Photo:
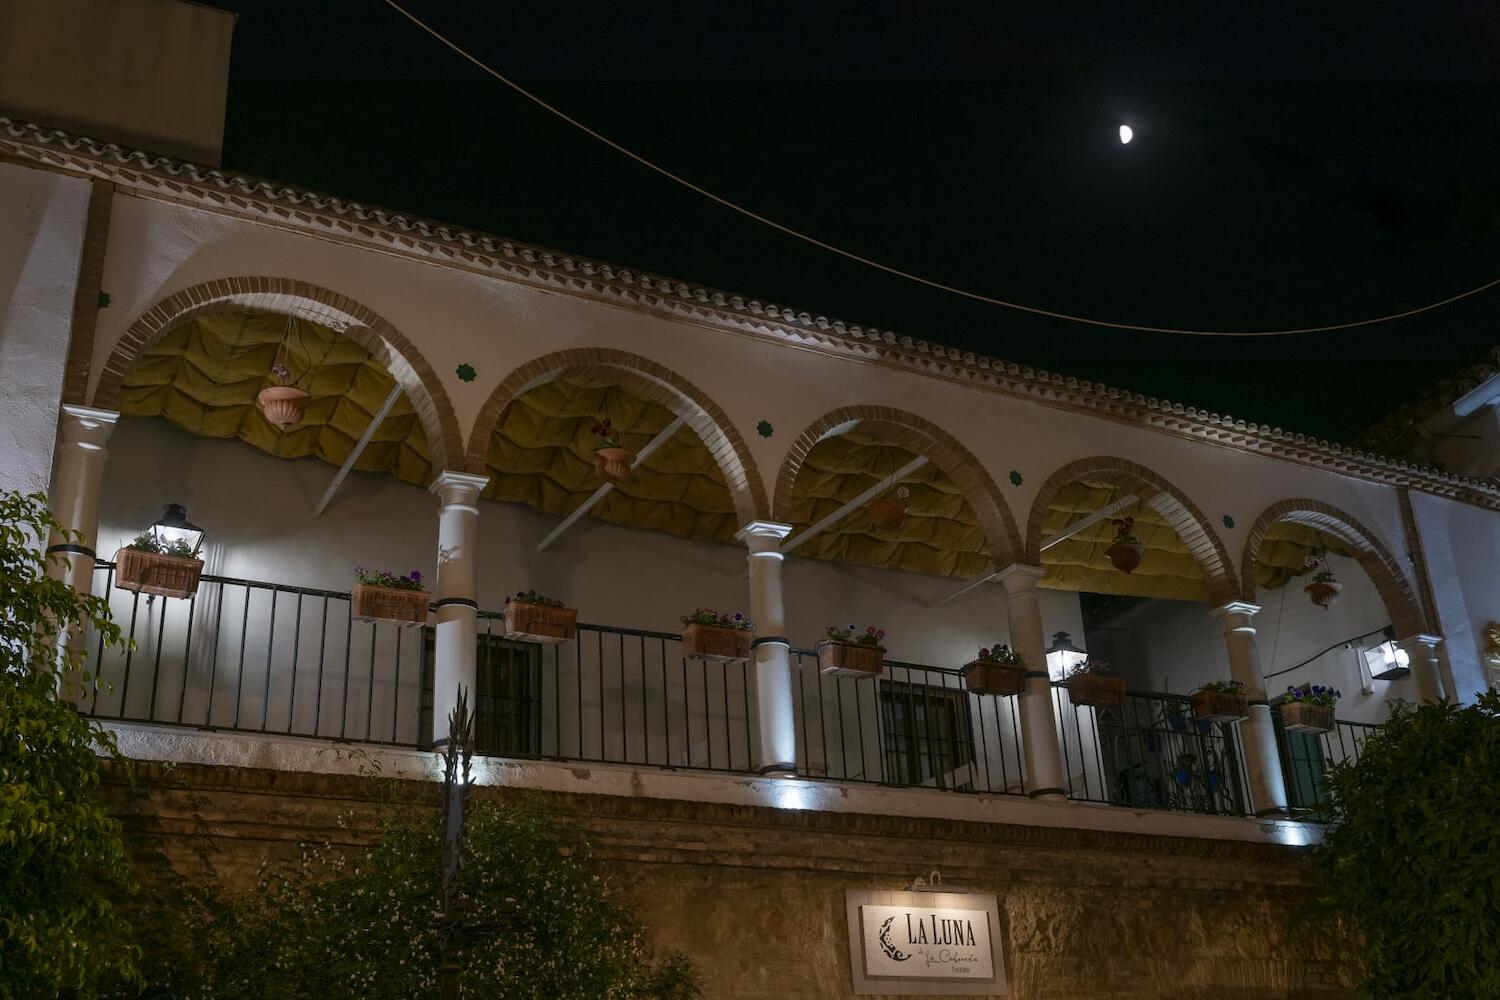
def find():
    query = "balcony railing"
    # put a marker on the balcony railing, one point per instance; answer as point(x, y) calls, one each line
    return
point(1149, 753)
point(248, 656)
point(1306, 758)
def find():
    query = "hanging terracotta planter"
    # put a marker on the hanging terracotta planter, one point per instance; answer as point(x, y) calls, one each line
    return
point(1096, 690)
point(1306, 717)
point(1222, 705)
point(888, 513)
point(613, 463)
point(282, 405)
point(1125, 552)
point(1125, 556)
point(156, 573)
point(530, 617)
point(1324, 593)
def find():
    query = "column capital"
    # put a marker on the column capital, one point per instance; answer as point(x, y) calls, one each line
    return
point(1236, 608)
point(1018, 577)
point(458, 489)
point(86, 425)
point(763, 536)
point(1420, 639)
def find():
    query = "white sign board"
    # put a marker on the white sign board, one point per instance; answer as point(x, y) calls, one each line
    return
point(930, 943)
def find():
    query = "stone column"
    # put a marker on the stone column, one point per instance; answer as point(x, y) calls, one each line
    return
point(775, 719)
point(74, 498)
point(1422, 657)
point(1258, 733)
point(455, 646)
point(1044, 769)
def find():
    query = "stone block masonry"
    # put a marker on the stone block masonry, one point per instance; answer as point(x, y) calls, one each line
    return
point(755, 895)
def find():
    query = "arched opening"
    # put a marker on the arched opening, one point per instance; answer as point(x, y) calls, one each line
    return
point(1151, 623)
point(271, 623)
point(1340, 639)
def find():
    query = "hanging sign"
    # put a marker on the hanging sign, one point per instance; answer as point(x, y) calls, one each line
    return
point(925, 942)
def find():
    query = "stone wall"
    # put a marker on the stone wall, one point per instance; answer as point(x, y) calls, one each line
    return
point(756, 895)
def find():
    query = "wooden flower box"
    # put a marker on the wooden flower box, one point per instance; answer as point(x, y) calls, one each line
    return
point(540, 623)
point(369, 603)
point(850, 659)
point(1096, 690)
point(988, 677)
point(154, 573)
point(1220, 706)
point(1305, 717)
point(715, 642)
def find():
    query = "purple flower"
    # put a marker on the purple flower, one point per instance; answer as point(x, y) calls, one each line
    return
point(739, 616)
point(416, 576)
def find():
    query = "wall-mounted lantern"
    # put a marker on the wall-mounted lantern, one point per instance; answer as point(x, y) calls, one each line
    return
point(173, 528)
point(1386, 660)
point(1063, 656)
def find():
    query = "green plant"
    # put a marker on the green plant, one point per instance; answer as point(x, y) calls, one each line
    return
point(1313, 694)
point(545, 922)
point(62, 864)
point(1123, 527)
point(1225, 687)
point(1089, 666)
point(147, 542)
point(1324, 576)
point(604, 430)
point(1412, 859)
point(871, 636)
point(718, 619)
point(532, 597)
point(385, 578)
point(1001, 653)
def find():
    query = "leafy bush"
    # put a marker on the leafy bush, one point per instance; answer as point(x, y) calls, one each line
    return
point(62, 864)
point(345, 923)
point(1415, 858)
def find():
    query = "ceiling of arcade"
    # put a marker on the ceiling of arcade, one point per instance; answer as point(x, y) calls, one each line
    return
point(205, 374)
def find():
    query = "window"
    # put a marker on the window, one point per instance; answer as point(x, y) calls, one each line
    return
point(507, 699)
point(927, 735)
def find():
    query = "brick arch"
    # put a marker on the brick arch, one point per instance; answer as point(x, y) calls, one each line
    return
point(1369, 551)
point(915, 434)
point(651, 381)
point(1186, 519)
point(305, 301)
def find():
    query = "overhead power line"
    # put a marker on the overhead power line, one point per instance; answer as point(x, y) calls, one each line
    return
point(896, 271)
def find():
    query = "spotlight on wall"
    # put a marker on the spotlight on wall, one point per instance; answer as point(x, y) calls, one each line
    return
point(1063, 656)
point(1386, 660)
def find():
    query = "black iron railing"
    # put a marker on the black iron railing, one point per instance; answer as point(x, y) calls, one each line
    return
point(1306, 758)
point(613, 695)
point(259, 657)
point(914, 726)
point(1149, 753)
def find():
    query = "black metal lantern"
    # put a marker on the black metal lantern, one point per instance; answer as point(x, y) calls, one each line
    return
point(1063, 656)
point(172, 531)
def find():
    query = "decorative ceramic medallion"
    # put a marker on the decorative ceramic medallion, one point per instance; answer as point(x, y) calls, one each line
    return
point(1015, 477)
point(466, 373)
point(764, 429)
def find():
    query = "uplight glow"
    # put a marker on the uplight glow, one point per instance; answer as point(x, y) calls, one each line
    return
point(1126, 134)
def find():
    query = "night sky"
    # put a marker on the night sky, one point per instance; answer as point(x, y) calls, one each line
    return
point(1291, 166)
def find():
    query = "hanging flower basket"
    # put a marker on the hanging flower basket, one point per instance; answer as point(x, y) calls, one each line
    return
point(889, 512)
point(719, 643)
point(1324, 593)
point(529, 617)
point(1125, 556)
point(1096, 690)
point(155, 573)
point(991, 677)
point(613, 463)
point(1306, 717)
point(283, 405)
point(1220, 705)
point(850, 659)
point(396, 605)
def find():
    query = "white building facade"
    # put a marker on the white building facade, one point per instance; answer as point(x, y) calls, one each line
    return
point(143, 297)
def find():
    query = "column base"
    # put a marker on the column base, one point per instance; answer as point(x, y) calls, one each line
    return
point(1273, 813)
point(1061, 793)
point(782, 770)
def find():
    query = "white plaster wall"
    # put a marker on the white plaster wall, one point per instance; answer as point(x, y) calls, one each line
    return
point(456, 316)
point(1177, 646)
point(42, 218)
point(1462, 548)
